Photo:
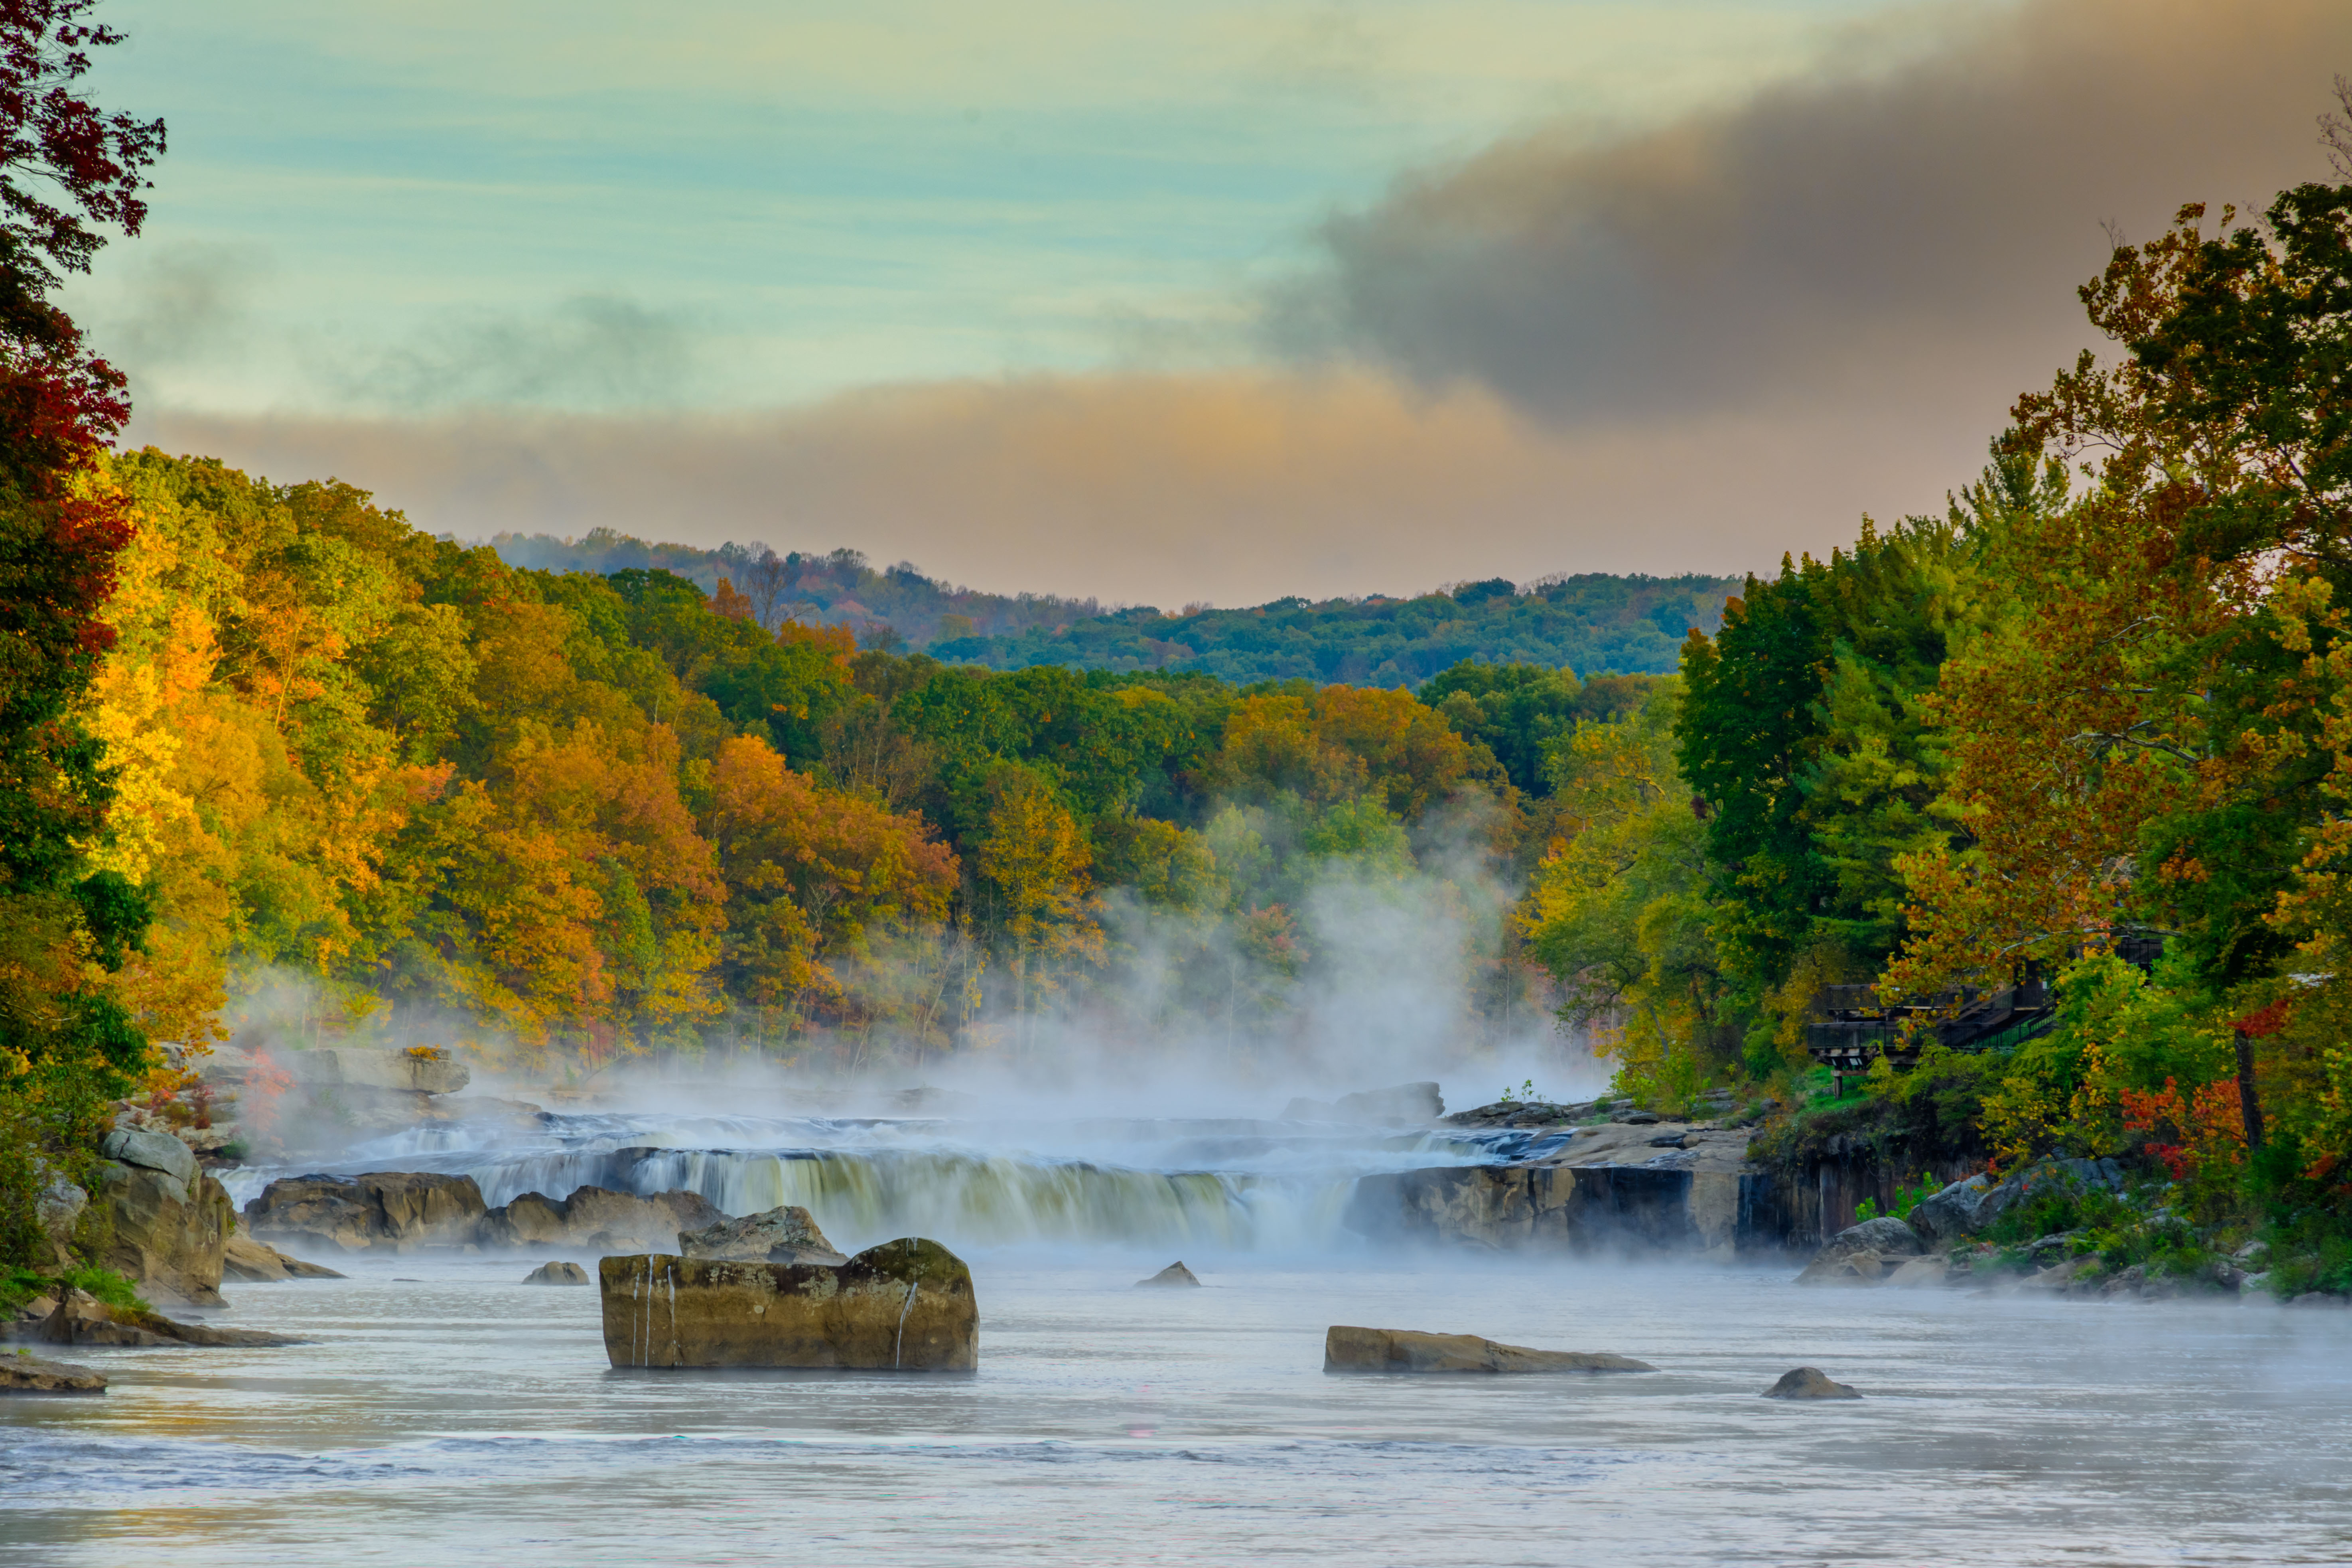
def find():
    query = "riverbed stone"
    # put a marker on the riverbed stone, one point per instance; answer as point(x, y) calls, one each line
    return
point(786, 1235)
point(381, 1211)
point(556, 1271)
point(24, 1373)
point(907, 1305)
point(1175, 1276)
point(1350, 1349)
point(1809, 1382)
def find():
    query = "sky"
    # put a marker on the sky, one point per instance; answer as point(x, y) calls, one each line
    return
point(1163, 302)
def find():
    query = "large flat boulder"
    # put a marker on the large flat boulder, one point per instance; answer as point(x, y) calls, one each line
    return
point(598, 1219)
point(383, 1211)
point(32, 1375)
point(906, 1305)
point(166, 1234)
point(787, 1234)
point(1404, 1350)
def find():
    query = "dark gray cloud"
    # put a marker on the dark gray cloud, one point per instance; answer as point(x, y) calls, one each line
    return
point(1911, 222)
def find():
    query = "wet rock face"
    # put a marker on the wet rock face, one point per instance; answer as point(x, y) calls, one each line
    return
point(170, 1233)
point(1346, 1348)
point(787, 1234)
point(1809, 1382)
point(906, 1305)
point(383, 1210)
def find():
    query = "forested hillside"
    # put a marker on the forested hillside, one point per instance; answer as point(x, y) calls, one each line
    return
point(1589, 622)
point(565, 817)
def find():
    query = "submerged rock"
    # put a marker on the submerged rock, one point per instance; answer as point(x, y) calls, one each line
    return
point(906, 1305)
point(392, 1211)
point(255, 1262)
point(787, 1234)
point(1175, 1275)
point(557, 1273)
point(1809, 1382)
point(1349, 1349)
point(24, 1373)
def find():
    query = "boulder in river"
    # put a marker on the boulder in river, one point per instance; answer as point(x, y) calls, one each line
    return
point(558, 1272)
point(83, 1319)
point(598, 1219)
point(787, 1234)
point(392, 1211)
point(1403, 1349)
point(1863, 1254)
point(168, 1222)
point(906, 1305)
point(1809, 1382)
point(26, 1373)
point(259, 1263)
point(1175, 1275)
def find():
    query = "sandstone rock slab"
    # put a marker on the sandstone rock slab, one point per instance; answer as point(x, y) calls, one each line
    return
point(1348, 1348)
point(787, 1234)
point(558, 1272)
point(1175, 1277)
point(83, 1319)
point(255, 1262)
point(32, 1375)
point(1809, 1382)
point(906, 1305)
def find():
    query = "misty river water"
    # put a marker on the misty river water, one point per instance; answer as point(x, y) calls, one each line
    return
point(450, 1415)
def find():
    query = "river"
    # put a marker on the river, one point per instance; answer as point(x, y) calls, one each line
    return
point(450, 1415)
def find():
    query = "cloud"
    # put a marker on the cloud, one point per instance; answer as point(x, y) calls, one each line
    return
point(1906, 223)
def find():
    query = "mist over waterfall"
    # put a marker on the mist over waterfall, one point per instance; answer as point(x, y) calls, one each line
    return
point(1217, 1184)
